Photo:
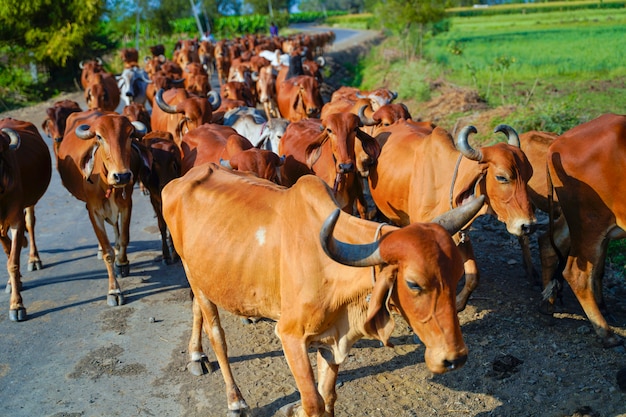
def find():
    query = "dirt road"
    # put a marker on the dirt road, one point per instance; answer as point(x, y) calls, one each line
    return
point(75, 356)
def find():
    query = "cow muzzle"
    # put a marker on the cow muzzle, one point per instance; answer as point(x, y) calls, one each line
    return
point(120, 179)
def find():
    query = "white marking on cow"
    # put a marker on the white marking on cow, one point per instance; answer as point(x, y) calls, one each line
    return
point(260, 236)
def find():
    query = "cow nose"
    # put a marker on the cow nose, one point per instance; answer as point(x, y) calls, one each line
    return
point(129, 93)
point(122, 179)
point(346, 167)
point(312, 110)
point(527, 229)
point(455, 363)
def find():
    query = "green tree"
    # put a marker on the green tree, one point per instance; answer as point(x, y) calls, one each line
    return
point(53, 31)
point(410, 19)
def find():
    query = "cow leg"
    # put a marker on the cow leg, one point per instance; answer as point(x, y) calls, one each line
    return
point(198, 361)
point(17, 312)
point(472, 276)
point(327, 380)
point(311, 402)
point(167, 247)
point(34, 262)
point(581, 271)
point(122, 267)
point(550, 263)
point(237, 406)
point(114, 293)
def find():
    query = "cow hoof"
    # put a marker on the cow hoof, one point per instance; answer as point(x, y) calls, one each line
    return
point(35, 266)
point(115, 300)
point(18, 314)
point(612, 341)
point(122, 270)
point(242, 412)
point(200, 367)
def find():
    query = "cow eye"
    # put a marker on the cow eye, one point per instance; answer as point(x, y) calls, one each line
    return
point(413, 286)
point(502, 179)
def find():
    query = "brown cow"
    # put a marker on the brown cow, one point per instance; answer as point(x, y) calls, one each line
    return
point(238, 90)
point(223, 145)
point(266, 91)
point(420, 173)
point(299, 98)
point(222, 61)
point(137, 113)
point(164, 164)
point(56, 117)
point(94, 162)
point(535, 146)
point(326, 148)
point(321, 290)
point(177, 111)
point(584, 166)
point(25, 171)
point(102, 92)
point(88, 68)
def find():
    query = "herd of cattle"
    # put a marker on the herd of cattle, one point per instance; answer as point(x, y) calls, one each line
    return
point(274, 202)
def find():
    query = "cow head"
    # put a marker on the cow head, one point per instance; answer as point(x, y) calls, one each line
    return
point(132, 84)
point(419, 268)
point(503, 178)
point(112, 135)
point(54, 124)
point(341, 129)
point(264, 164)
point(305, 100)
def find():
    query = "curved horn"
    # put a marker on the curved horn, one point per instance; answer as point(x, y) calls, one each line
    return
point(16, 140)
point(365, 120)
point(394, 95)
point(345, 253)
point(162, 104)
point(321, 61)
point(510, 133)
point(455, 219)
point(215, 99)
point(84, 133)
point(225, 163)
point(98, 60)
point(140, 128)
point(177, 81)
point(464, 147)
point(81, 64)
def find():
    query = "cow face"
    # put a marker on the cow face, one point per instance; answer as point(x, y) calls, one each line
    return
point(112, 135)
point(506, 178)
point(423, 290)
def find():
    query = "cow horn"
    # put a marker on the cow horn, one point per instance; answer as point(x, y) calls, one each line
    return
point(365, 120)
point(98, 60)
point(83, 132)
point(140, 128)
point(226, 163)
point(16, 140)
point(394, 95)
point(510, 133)
point(215, 99)
point(162, 104)
point(464, 147)
point(455, 219)
point(321, 61)
point(345, 253)
point(81, 64)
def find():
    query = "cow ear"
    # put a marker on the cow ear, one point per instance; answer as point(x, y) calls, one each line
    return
point(370, 145)
point(88, 161)
point(379, 322)
point(314, 150)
